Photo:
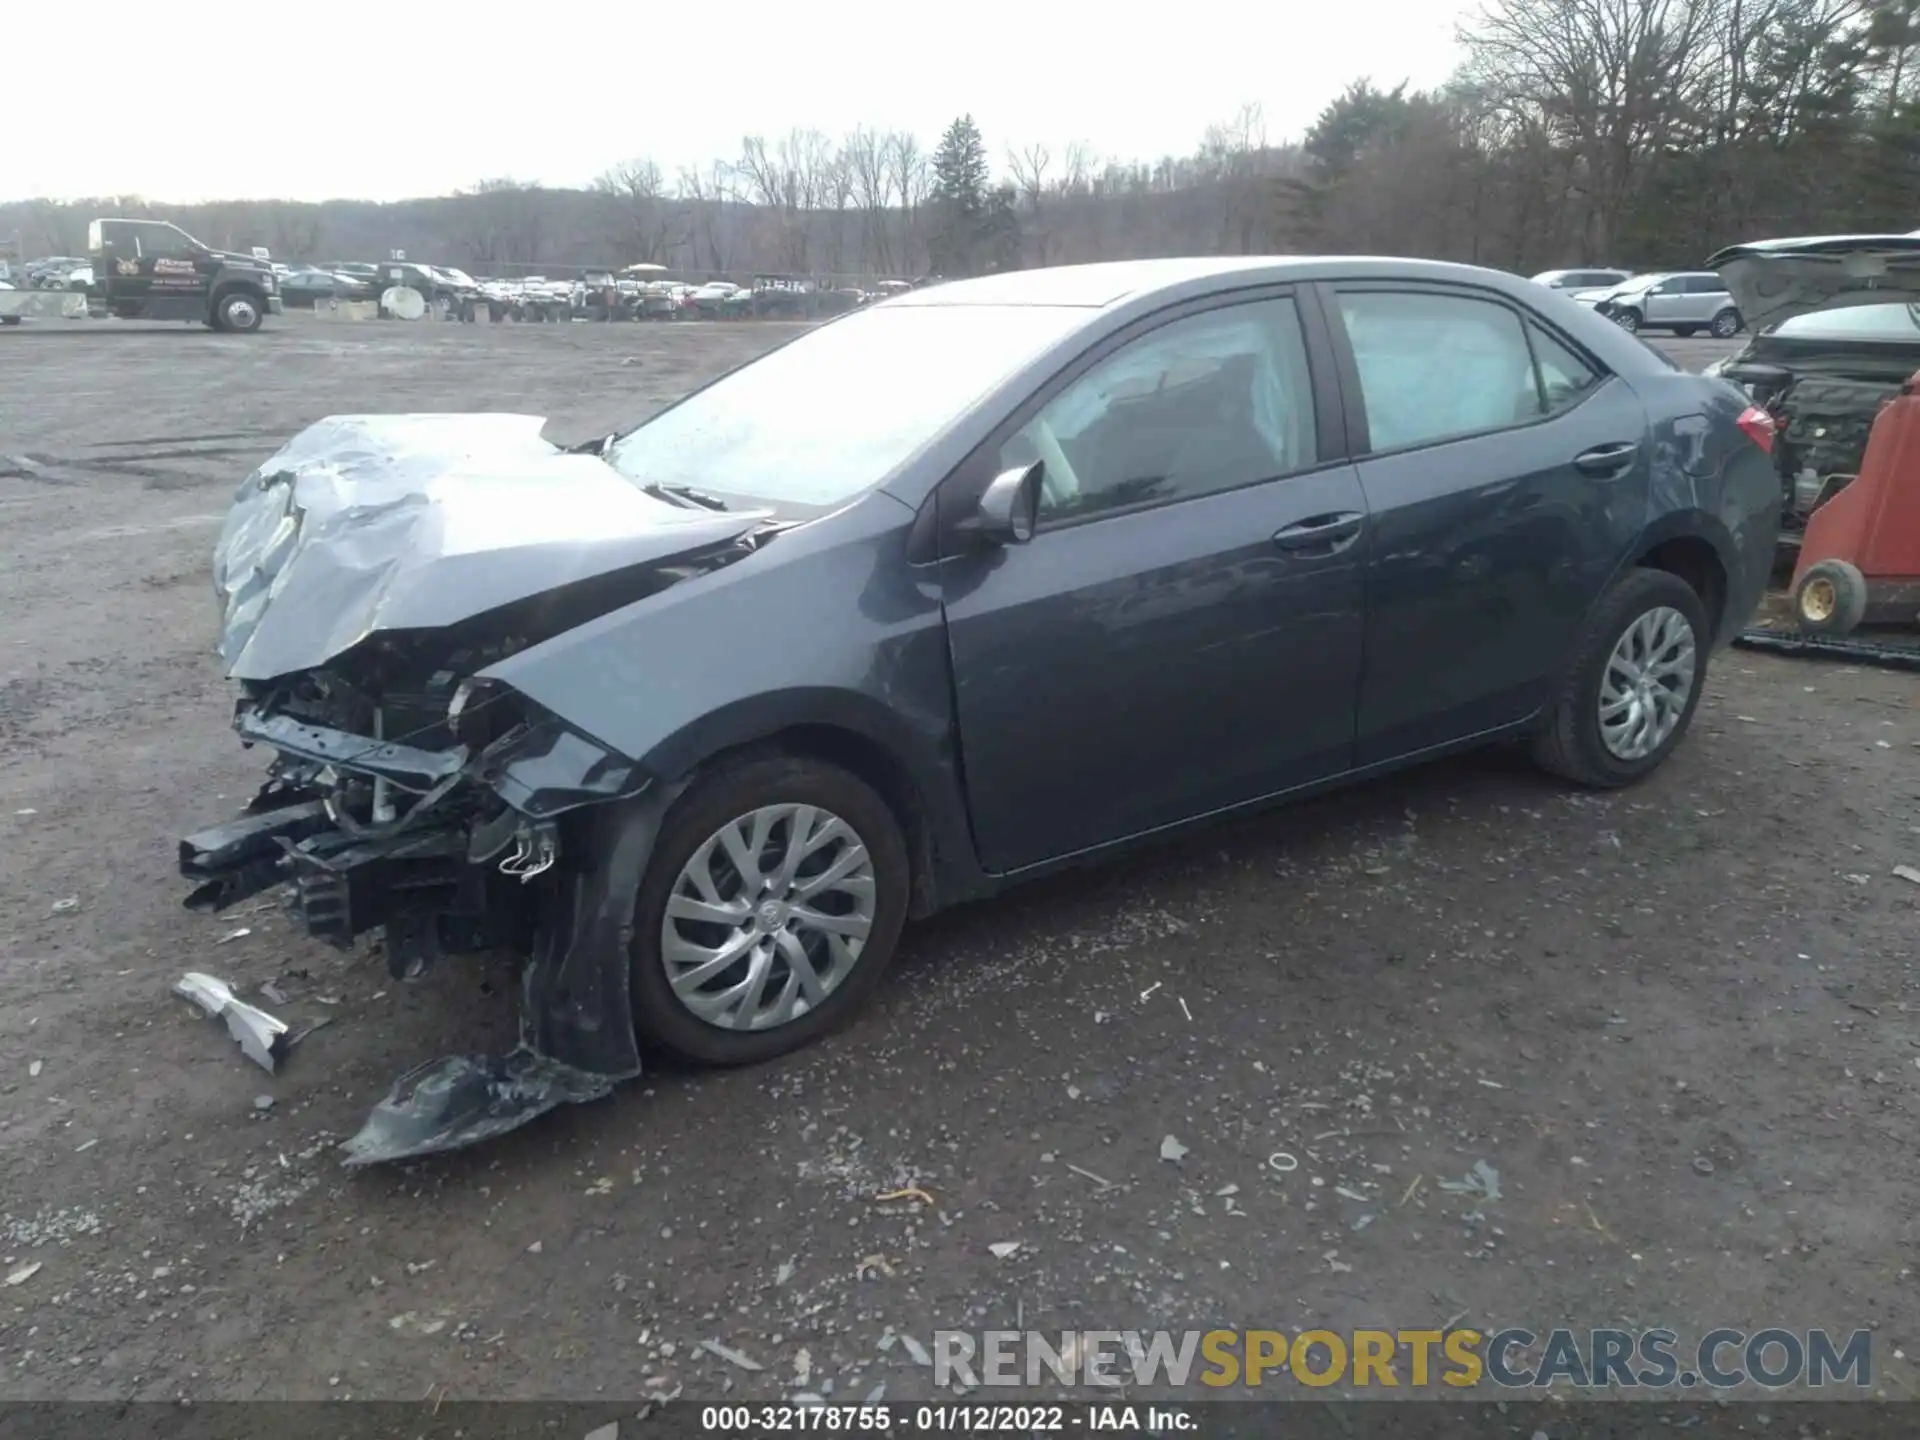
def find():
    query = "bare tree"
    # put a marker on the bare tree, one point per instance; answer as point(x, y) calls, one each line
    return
point(1609, 79)
point(1029, 169)
point(503, 221)
point(866, 164)
point(908, 169)
point(648, 222)
point(296, 230)
point(709, 194)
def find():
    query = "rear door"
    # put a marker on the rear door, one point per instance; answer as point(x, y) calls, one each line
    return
point(118, 266)
point(1708, 296)
point(1183, 632)
point(1504, 473)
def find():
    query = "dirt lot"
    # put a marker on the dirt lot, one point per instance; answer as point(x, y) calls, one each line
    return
point(1679, 1021)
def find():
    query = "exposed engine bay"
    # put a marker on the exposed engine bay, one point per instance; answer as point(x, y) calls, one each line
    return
point(1823, 422)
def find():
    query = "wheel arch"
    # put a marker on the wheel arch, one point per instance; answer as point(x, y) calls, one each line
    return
point(1696, 548)
point(857, 735)
point(224, 288)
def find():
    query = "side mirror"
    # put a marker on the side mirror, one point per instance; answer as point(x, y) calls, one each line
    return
point(1009, 507)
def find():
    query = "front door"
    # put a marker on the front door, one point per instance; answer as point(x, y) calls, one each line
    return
point(1507, 473)
point(1667, 302)
point(1183, 632)
point(178, 271)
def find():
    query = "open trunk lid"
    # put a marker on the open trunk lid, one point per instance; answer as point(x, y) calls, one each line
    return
point(1775, 280)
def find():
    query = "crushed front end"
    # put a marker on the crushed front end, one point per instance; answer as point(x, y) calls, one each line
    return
point(367, 575)
point(444, 815)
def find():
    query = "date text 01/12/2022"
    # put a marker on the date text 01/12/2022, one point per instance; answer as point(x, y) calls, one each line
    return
point(947, 1418)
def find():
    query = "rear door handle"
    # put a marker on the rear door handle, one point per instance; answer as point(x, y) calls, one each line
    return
point(1327, 534)
point(1603, 462)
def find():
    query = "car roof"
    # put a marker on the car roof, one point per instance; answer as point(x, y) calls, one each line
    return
point(1108, 283)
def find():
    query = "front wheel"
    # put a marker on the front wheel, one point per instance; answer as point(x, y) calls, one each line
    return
point(1627, 320)
point(770, 909)
point(237, 311)
point(1726, 324)
point(1628, 697)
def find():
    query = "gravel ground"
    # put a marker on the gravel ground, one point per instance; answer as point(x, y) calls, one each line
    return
point(1677, 1021)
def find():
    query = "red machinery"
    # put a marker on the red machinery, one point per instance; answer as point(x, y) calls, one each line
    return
point(1860, 560)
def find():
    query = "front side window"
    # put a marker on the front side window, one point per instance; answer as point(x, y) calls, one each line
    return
point(163, 242)
point(1206, 403)
point(1434, 367)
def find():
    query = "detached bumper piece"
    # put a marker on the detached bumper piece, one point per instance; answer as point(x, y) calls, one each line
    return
point(451, 1103)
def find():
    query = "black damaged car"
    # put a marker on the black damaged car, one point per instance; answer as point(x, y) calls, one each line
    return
point(986, 579)
point(1836, 333)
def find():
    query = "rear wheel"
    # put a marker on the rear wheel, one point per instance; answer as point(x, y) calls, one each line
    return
point(1726, 324)
point(771, 907)
point(1630, 694)
point(1831, 598)
point(1627, 320)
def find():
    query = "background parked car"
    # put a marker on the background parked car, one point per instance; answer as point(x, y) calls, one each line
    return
point(1685, 303)
point(1572, 280)
point(306, 288)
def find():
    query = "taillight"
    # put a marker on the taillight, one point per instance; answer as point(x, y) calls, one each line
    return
point(1759, 427)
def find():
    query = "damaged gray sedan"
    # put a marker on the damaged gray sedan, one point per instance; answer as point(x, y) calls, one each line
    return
point(979, 581)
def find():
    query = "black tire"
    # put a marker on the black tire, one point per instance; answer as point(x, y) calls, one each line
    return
point(1686, 332)
point(1570, 744)
point(1627, 320)
point(1726, 324)
point(1830, 599)
point(735, 790)
point(239, 312)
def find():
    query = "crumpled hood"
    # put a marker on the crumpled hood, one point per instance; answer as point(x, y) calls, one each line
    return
point(1774, 280)
point(366, 523)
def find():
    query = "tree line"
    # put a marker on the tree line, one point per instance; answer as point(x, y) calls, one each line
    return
point(1643, 133)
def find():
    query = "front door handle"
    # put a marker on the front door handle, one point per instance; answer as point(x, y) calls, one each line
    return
point(1325, 534)
point(1603, 462)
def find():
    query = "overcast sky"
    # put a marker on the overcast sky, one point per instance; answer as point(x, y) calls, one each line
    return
point(246, 102)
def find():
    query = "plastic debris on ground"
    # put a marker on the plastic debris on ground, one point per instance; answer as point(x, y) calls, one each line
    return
point(1482, 1180)
point(263, 1038)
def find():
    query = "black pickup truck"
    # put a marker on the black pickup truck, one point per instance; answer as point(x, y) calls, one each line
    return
point(151, 270)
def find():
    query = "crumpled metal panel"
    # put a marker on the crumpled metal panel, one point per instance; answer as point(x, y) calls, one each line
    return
point(365, 523)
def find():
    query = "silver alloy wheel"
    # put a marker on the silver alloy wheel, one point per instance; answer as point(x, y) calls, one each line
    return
point(768, 917)
point(1726, 325)
point(1648, 681)
point(240, 312)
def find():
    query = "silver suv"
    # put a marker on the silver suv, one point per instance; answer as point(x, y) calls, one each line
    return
point(1684, 303)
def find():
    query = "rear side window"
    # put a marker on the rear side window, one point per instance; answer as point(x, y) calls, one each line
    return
point(1434, 367)
point(1706, 285)
point(1564, 377)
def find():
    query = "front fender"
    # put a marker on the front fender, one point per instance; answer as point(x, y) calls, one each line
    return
point(826, 626)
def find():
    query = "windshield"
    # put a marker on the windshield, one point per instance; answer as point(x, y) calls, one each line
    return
point(1895, 323)
point(829, 415)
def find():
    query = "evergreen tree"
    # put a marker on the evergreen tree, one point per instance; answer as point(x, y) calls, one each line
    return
point(969, 219)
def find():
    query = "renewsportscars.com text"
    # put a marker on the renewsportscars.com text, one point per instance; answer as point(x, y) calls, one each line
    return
point(1510, 1359)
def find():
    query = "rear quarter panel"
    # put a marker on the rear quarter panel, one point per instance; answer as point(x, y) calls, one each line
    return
point(1710, 480)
